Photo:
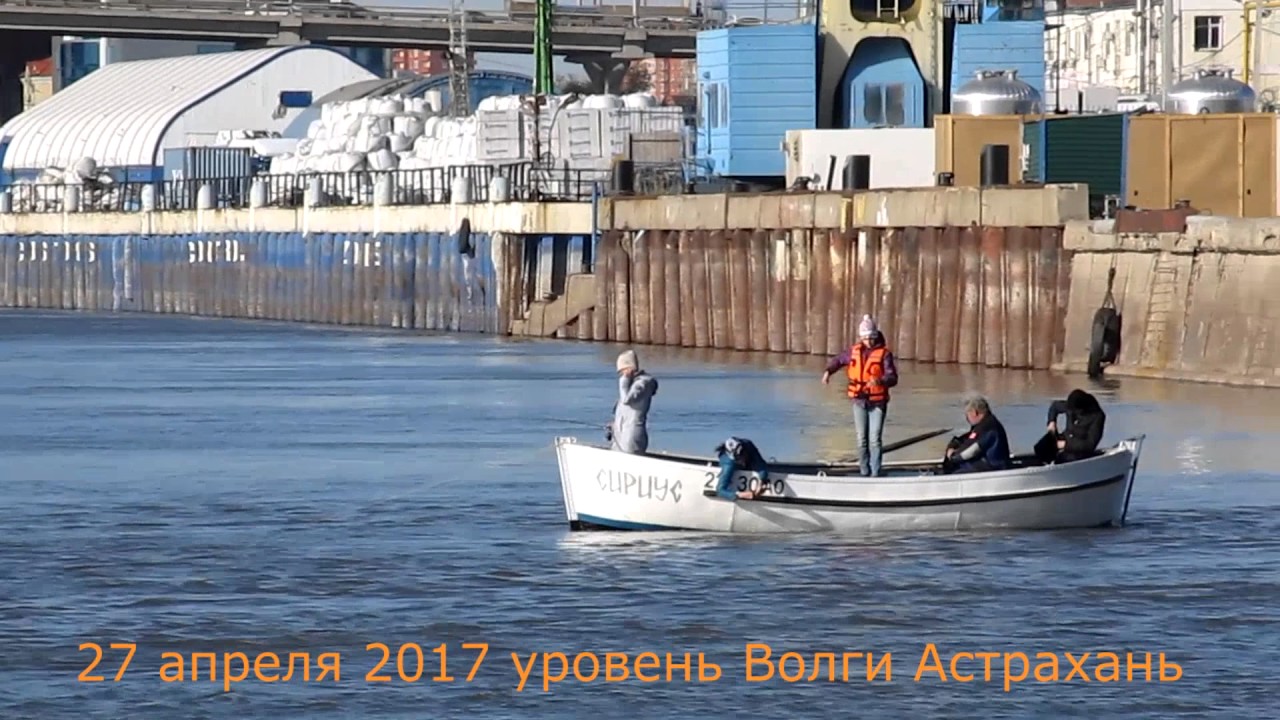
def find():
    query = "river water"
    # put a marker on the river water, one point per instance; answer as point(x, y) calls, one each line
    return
point(218, 486)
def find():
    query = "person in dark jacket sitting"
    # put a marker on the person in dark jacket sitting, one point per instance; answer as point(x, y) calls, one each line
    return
point(1080, 436)
point(984, 448)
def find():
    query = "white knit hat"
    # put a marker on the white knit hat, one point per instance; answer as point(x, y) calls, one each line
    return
point(867, 327)
point(628, 359)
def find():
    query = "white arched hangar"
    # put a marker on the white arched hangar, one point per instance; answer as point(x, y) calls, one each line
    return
point(125, 115)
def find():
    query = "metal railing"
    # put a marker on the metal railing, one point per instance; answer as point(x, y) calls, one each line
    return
point(642, 13)
point(962, 11)
point(522, 182)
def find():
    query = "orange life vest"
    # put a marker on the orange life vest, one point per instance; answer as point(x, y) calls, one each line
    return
point(861, 372)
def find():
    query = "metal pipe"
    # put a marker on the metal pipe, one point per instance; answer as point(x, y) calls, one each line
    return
point(1250, 13)
point(1166, 51)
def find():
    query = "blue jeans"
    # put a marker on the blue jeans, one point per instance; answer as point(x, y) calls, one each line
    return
point(724, 488)
point(869, 423)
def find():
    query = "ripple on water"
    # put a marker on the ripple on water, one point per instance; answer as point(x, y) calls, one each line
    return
point(315, 490)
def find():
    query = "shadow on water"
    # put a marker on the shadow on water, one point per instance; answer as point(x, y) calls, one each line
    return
point(197, 485)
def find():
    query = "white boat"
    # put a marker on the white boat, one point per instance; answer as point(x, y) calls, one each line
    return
point(605, 489)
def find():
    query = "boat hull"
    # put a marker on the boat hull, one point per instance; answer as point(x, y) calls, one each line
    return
point(610, 490)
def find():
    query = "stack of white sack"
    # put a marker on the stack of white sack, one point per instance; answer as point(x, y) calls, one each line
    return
point(47, 191)
point(376, 135)
point(352, 142)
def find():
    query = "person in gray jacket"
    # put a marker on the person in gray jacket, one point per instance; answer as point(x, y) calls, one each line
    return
point(629, 431)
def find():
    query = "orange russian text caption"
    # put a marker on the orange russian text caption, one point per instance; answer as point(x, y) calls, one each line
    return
point(411, 663)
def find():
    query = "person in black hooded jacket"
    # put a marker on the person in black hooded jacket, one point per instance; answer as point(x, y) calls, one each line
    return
point(1080, 436)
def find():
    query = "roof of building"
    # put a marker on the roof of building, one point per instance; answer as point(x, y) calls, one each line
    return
point(118, 115)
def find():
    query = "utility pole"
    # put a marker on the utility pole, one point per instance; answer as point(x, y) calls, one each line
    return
point(459, 72)
point(1166, 51)
point(1144, 35)
point(543, 83)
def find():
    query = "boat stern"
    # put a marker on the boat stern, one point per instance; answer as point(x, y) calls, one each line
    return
point(566, 488)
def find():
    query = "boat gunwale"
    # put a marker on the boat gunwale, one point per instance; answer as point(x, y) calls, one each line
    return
point(1023, 464)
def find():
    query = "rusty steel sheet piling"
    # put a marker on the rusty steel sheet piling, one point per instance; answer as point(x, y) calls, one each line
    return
point(641, 290)
point(684, 250)
point(779, 257)
point(993, 297)
point(967, 348)
point(759, 280)
point(1017, 313)
point(836, 304)
point(622, 288)
point(718, 286)
point(671, 268)
point(701, 289)
point(819, 290)
point(739, 282)
point(974, 295)
point(797, 282)
point(948, 318)
point(657, 250)
point(927, 318)
point(607, 248)
point(906, 315)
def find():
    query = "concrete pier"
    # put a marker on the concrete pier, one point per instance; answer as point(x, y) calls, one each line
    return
point(1195, 305)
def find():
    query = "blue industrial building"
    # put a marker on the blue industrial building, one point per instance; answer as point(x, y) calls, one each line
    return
point(754, 84)
point(883, 86)
point(863, 65)
point(996, 35)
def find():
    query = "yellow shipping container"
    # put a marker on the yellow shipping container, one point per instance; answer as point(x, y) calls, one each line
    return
point(958, 140)
point(1223, 164)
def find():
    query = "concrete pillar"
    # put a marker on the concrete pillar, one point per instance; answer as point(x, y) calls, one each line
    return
point(605, 73)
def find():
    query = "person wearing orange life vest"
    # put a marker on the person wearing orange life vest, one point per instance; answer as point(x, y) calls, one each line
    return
point(871, 371)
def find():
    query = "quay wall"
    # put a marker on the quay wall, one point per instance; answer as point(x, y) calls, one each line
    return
point(954, 275)
point(1196, 303)
point(396, 268)
point(1006, 277)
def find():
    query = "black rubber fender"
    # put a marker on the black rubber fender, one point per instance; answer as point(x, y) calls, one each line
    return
point(1104, 339)
point(465, 246)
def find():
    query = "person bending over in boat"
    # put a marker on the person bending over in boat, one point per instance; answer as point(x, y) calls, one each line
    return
point(871, 371)
point(984, 448)
point(629, 430)
point(739, 454)
point(1082, 433)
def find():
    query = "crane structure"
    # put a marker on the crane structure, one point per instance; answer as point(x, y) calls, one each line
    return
point(543, 78)
point(459, 70)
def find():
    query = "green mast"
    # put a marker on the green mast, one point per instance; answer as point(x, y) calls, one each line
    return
point(542, 78)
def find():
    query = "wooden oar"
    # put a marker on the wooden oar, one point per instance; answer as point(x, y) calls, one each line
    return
point(905, 442)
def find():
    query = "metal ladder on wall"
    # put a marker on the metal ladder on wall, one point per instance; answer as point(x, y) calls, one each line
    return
point(888, 9)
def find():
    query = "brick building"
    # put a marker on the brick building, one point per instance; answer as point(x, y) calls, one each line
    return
point(425, 62)
point(670, 79)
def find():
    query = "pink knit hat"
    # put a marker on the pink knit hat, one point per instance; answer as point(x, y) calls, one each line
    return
point(867, 327)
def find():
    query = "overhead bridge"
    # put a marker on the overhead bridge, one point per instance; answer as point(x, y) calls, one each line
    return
point(348, 24)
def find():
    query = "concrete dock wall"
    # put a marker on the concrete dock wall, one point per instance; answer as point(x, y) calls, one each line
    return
point(321, 266)
point(1195, 305)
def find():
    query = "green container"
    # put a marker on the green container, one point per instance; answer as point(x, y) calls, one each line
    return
point(1086, 149)
point(1033, 151)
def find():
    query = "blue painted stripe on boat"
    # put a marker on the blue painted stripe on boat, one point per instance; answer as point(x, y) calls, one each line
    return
point(621, 524)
